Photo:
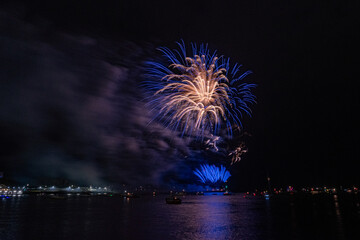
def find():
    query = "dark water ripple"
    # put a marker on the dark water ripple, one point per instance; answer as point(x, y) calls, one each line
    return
point(199, 217)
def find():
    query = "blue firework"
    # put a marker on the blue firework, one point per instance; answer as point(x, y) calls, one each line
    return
point(212, 174)
point(199, 93)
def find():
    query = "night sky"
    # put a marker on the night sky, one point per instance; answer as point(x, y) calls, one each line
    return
point(72, 107)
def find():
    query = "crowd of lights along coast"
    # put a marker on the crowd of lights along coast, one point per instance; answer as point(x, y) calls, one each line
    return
point(198, 94)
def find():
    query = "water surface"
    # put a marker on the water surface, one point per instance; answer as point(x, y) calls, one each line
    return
point(198, 217)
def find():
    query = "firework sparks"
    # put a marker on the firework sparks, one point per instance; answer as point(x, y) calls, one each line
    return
point(195, 94)
point(236, 154)
point(211, 143)
point(212, 174)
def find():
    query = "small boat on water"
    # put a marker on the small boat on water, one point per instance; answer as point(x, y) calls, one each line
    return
point(173, 200)
point(227, 193)
point(131, 195)
point(267, 196)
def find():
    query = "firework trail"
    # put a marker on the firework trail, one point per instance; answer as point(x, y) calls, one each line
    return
point(198, 94)
point(212, 174)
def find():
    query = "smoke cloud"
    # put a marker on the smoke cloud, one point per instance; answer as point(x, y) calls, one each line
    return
point(72, 109)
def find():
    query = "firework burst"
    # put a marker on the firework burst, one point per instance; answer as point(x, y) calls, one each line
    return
point(198, 94)
point(236, 154)
point(212, 174)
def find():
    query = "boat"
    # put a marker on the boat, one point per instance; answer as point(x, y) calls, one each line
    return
point(173, 200)
point(227, 193)
point(131, 195)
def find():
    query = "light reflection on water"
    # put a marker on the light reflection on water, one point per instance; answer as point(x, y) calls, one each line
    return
point(339, 218)
point(198, 217)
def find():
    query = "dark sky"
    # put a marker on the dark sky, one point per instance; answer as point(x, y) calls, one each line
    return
point(304, 129)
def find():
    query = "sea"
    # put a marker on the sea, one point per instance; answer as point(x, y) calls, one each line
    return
point(238, 217)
